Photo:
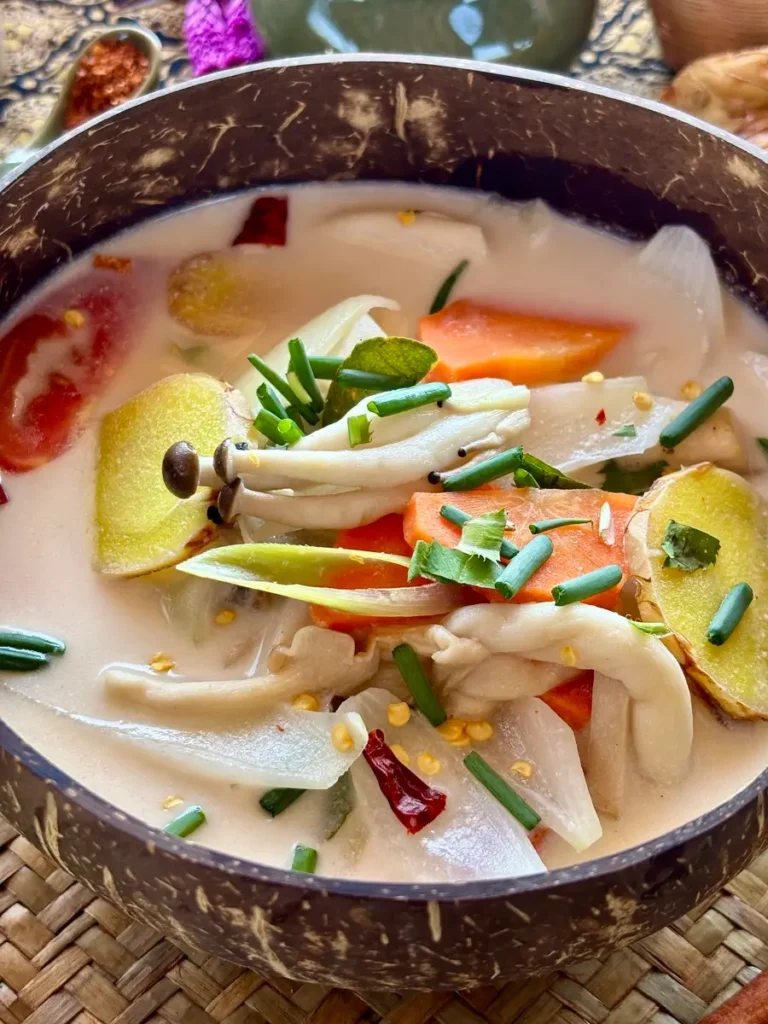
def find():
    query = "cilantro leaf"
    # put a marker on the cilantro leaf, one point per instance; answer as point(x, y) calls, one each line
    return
point(483, 535)
point(619, 480)
point(688, 548)
point(628, 430)
point(548, 476)
point(396, 357)
point(449, 565)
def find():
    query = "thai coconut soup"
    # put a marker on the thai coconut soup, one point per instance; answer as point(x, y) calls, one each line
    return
point(388, 532)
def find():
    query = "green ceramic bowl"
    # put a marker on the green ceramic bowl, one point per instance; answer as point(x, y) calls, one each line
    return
point(530, 33)
point(143, 39)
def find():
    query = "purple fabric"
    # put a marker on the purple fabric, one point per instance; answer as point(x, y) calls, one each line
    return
point(220, 37)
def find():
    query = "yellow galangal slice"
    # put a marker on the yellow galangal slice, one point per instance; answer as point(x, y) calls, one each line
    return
point(725, 506)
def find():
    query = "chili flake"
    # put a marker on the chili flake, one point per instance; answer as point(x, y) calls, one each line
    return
point(108, 73)
point(600, 418)
point(266, 224)
point(119, 263)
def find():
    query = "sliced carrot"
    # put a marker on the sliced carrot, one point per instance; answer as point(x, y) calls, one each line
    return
point(474, 340)
point(572, 700)
point(386, 534)
point(577, 549)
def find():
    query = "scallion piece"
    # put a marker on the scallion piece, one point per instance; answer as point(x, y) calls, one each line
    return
point(304, 859)
point(409, 398)
point(729, 614)
point(270, 400)
point(302, 367)
point(15, 659)
point(523, 478)
point(293, 414)
point(501, 790)
point(410, 668)
point(545, 525)
point(591, 583)
point(289, 431)
point(445, 289)
point(275, 801)
point(29, 641)
point(455, 516)
point(358, 430)
point(325, 367)
point(523, 566)
point(187, 822)
point(367, 381)
point(298, 389)
point(483, 472)
point(282, 386)
point(699, 410)
point(267, 424)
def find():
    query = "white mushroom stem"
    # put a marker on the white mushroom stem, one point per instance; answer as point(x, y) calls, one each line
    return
point(391, 465)
point(329, 512)
point(662, 719)
point(317, 660)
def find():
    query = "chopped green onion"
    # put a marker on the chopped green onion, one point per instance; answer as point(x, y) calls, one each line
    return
point(325, 367)
point(445, 289)
point(187, 822)
point(729, 614)
point(520, 569)
point(501, 790)
point(458, 518)
point(410, 668)
point(358, 430)
point(293, 413)
point(483, 472)
point(267, 424)
point(550, 477)
point(10, 637)
point(651, 628)
point(282, 386)
point(409, 398)
point(15, 659)
point(368, 381)
point(275, 801)
point(699, 410)
point(304, 859)
point(687, 548)
point(628, 430)
point(523, 478)
point(289, 431)
point(591, 583)
point(298, 389)
point(545, 525)
point(302, 367)
point(270, 400)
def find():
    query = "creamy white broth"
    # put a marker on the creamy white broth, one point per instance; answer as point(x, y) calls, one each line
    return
point(522, 258)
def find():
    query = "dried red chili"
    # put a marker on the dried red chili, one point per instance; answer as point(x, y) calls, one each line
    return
point(108, 73)
point(266, 224)
point(413, 802)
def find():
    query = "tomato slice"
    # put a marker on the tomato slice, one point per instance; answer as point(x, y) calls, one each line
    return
point(91, 341)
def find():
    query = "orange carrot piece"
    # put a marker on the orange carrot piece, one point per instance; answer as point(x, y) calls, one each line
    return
point(474, 340)
point(572, 700)
point(577, 549)
point(385, 534)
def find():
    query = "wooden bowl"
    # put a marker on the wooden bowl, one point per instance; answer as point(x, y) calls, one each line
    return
point(696, 28)
point(628, 164)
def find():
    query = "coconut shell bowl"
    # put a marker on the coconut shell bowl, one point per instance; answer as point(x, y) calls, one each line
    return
point(626, 164)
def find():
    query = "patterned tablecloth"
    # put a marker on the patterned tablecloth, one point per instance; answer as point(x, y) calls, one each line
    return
point(42, 35)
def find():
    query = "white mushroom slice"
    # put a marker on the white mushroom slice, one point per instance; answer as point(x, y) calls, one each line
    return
point(662, 721)
point(473, 837)
point(317, 660)
point(332, 512)
point(288, 747)
point(391, 465)
point(608, 750)
point(553, 784)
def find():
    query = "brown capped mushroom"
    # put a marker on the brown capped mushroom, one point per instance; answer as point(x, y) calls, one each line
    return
point(184, 470)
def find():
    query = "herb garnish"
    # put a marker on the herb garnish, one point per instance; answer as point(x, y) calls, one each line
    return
point(688, 548)
point(628, 430)
point(619, 480)
point(651, 628)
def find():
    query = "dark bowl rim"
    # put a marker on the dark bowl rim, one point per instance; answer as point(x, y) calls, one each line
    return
point(109, 816)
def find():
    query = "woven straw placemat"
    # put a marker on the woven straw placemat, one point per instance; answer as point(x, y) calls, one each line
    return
point(69, 956)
